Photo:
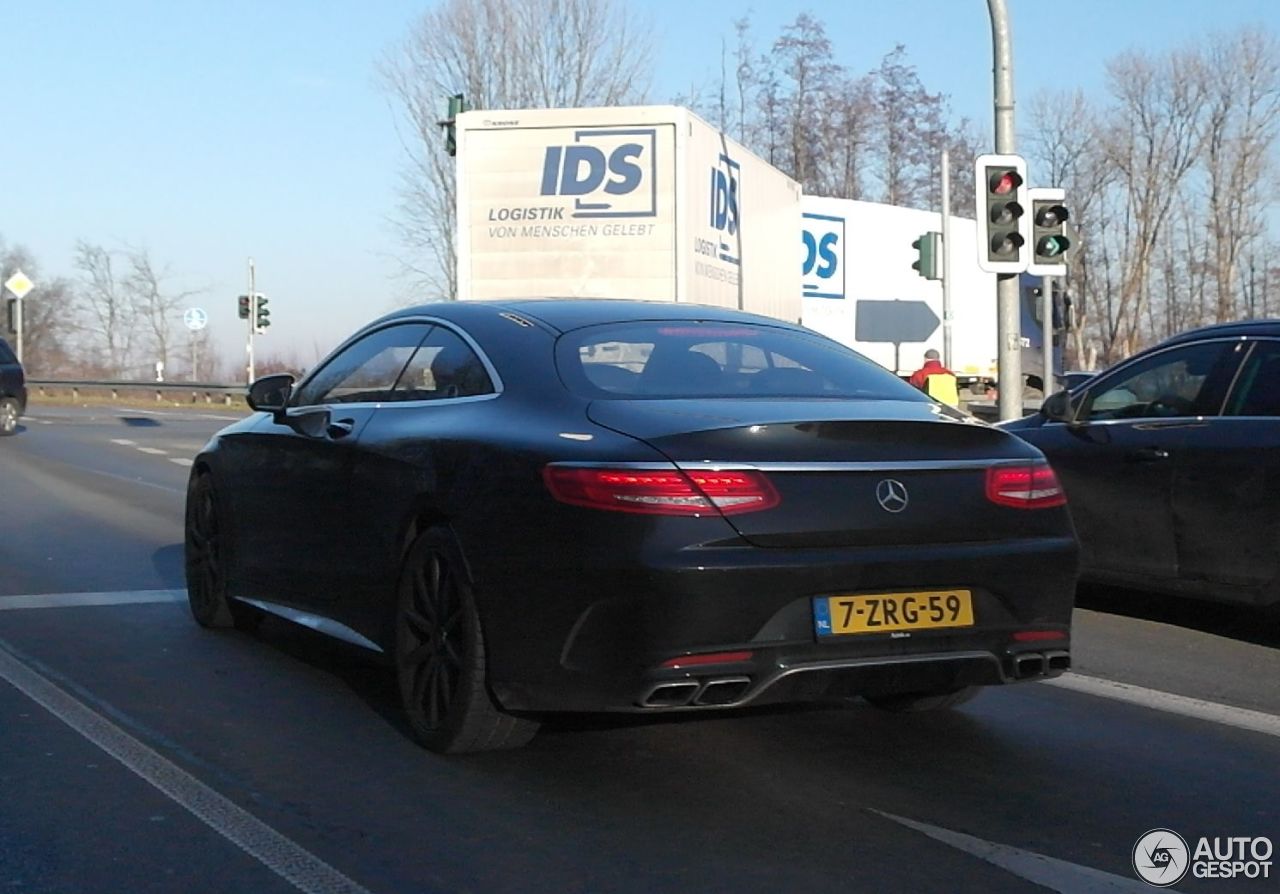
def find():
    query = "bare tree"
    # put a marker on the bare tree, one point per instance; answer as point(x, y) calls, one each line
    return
point(154, 300)
point(500, 54)
point(111, 314)
point(1241, 86)
point(48, 313)
point(1153, 139)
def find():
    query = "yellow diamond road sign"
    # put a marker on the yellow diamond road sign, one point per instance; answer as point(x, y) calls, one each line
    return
point(19, 284)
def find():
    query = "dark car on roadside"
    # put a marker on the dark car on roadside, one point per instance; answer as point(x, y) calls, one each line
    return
point(1171, 461)
point(13, 390)
point(551, 505)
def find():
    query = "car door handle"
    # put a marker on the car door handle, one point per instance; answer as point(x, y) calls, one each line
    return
point(1147, 454)
point(340, 428)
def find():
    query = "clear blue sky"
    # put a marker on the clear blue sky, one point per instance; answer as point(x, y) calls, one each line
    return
point(209, 131)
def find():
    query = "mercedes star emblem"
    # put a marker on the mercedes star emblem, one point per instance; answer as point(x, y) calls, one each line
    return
point(892, 495)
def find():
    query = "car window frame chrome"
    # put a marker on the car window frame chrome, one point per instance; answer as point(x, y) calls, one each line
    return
point(494, 378)
point(1107, 375)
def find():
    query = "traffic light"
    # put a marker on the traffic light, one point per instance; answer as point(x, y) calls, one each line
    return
point(1004, 228)
point(929, 255)
point(1049, 239)
point(262, 316)
point(244, 307)
point(457, 105)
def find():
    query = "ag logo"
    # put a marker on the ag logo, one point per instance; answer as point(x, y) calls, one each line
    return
point(823, 242)
point(1161, 858)
point(726, 206)
point(605, 171)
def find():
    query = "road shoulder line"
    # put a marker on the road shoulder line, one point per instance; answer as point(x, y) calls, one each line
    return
point(283, 856)
point(1171, 703)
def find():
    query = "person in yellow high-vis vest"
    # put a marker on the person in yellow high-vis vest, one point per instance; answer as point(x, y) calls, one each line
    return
point(936, 380)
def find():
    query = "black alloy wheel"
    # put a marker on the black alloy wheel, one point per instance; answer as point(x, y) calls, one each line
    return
point(440, 657)
point(206, 564)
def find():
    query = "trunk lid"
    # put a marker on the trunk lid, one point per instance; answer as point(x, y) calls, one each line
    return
point(849, 473)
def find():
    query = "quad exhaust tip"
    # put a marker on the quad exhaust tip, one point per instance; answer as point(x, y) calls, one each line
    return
point(722, 691)
point(1036, 664)
point(708, 693)
point(671, 695)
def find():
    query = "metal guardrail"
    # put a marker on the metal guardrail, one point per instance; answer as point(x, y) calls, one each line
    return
point(199, 391)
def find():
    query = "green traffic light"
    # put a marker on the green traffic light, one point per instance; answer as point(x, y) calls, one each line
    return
point(1052, 246)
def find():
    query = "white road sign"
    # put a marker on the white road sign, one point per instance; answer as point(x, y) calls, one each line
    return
point(195, 318)
point(18, 284)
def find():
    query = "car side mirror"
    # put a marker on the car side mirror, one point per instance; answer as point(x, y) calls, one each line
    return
point(1057, 407)
point(270, 394)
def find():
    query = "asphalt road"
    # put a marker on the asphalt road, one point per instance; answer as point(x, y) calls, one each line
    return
point(141, 753)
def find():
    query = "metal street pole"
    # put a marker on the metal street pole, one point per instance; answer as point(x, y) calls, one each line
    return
point(1008, 324)
point(17, 328)
point(253, 315)
point(195, 358)
point(1046, 334)
point(946, 259)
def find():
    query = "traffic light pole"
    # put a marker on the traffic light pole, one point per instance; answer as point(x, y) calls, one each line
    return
point(1049, 382)
point(946, 259)
point(253, 317)
point(1008, 322)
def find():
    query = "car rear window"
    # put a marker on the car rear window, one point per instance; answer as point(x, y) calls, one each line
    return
point(683, 359)
point(6, 356)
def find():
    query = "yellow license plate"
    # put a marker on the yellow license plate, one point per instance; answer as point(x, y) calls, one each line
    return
point(889, 612)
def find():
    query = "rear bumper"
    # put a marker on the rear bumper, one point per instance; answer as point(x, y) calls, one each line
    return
point(607, 652)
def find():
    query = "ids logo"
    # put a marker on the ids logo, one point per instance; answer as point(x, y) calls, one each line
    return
point(823, 243)
point(726, 206)
point(609, 173)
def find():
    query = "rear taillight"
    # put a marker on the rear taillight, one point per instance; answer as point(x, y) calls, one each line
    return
point(659, 491)
point(1024, 487)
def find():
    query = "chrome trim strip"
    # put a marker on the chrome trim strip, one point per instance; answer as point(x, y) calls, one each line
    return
point(847, 664)
point(917, 465)
point(498, 386)
point(327, 626)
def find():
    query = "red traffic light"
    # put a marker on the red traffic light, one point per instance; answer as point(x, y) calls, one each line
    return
point(1004, 182)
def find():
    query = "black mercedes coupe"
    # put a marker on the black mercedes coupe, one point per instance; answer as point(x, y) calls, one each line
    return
point(587, 505)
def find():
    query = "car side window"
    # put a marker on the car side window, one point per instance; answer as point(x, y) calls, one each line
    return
point(1184, 381)
point(444, 366)
point(1257, 390)
point(6, 356)
point(366, 370)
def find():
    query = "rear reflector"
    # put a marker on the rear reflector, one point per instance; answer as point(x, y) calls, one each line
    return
point(661, 492)
point(1024, 487)
point(1034, 636)
point(707, 658)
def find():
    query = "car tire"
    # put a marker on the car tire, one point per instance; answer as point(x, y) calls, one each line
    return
point(920, 702)
point(204, 557)
point(440, 655)
point(8, 417)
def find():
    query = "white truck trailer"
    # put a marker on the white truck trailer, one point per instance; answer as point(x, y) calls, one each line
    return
point(860, 288)
point(645, 202)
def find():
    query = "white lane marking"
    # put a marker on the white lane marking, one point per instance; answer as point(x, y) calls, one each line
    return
point(1048, 872)
point(181, 461)
point(154, 451)
point(1227, 715)
point(229, 416)
point(123, 442)
point(76, 600)
point(283, 856)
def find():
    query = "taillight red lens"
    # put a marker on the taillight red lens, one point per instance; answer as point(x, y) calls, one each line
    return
point(661, 492)
point(1024, 487)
